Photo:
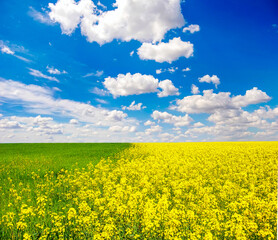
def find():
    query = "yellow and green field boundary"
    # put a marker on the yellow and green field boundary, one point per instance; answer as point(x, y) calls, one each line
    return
point(144, 191)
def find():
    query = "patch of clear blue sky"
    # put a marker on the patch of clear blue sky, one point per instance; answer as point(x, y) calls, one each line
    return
point(237, 42)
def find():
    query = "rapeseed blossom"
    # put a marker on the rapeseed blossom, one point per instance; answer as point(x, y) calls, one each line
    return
point(154, 191)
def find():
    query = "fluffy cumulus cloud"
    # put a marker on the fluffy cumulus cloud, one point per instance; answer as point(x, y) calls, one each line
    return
point(192, 28)
point(153, 129)
point(178, 121)
point(252, 96)
point(40, 100)
point(168, 89)
point(210, 102)
point(46, 129)
point(239, 117)
point(235, 117)
point(267, 112)
point(73, 121)
point(166, 52)
point(134, 107)
point(128, 84)
point(149, 123)
point(213, 79)
point(9, 124)
point(38, 125)
point(142, 20)
point(219, 132)
point(227, 119)
point(198, 124)
point(235, 124)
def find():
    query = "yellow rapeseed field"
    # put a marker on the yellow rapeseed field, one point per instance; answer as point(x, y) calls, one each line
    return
point(153, 191)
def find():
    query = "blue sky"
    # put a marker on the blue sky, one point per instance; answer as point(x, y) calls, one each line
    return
point(132, 71)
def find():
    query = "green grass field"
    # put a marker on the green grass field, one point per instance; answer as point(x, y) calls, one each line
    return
point(19, 161)
point(25, 157)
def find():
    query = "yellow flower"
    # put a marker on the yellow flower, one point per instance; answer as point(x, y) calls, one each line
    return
point(21, 225)
point(27, 236)
point(71, 213)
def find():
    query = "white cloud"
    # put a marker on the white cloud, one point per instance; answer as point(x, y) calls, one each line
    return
point(131, 53)
point(153, 129)
point(167, 137)
point(219, 132)
point(124, 85)
point(46, 129)
point(231, 124)
point(37, 73)
point(22, 58)
point(134, 107)
point(239, 117)
point(21, 128)
point(69, 13)
point(252, 96)
point(149, 123)
point(12, 50)
point(7, 50)
point(141, 20)
point(194, 89)
point(33, 125)
point(95, 74)
point(267, 112)
point(39, 125)
point(38, 120)
point(53, 70)
point(158, 71)
point(98, 91)
point(166, 52)
point(177, 121)
point(40, 100)
point(168, 89)
point(57, 89)
point(186, 69)
point(213, 79)
point(101, 5)
point(101, 101)
point(73, 121)
point(122, 129)
point(170, 70)
point(41, 17)
point(8, 124)
point(237, 124)
point(128, 84)
point(209, 102)
point(192, 28)
point(198, 124)
point(234, 117)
